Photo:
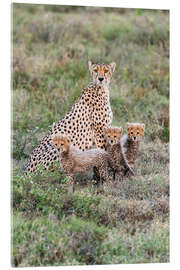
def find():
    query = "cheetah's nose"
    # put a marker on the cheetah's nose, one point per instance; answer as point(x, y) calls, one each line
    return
point(134, 138)
point(100, 79)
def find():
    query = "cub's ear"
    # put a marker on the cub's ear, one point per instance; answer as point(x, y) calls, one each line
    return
point(66, 140)
point(143, 126)
point(121, 130)
point(106, 130)
point(128, 125)
point(113, 65)
point(54, 138)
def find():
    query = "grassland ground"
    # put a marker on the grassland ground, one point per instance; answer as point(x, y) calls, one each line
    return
point(129, 221)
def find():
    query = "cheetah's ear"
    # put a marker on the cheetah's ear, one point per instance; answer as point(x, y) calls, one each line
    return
point(143, 126)
point(113, 65)
point(54, 138)
point(106, 131)
point(128, 125)
point(121, 130)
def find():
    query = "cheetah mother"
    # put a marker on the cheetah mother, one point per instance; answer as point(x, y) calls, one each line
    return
point(83, 125)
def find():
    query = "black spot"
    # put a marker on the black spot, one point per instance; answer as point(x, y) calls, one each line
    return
point(54, 158)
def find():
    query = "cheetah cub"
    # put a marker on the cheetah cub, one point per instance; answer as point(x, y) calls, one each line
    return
point(72, 160)
point(114, 149)
point(130, 141)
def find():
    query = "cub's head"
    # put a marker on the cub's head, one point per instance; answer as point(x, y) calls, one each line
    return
point(61, 143)
point(135, 131)
point(113, 135)
point(101, 73)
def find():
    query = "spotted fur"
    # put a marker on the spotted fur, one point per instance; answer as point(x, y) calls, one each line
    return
point(130, 141)
point(83, 125)
point(73, 160)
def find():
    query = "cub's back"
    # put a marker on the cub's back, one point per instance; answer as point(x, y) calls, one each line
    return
point(89, 156)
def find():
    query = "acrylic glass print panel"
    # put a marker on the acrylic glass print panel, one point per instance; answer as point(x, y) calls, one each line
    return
point(118, 222)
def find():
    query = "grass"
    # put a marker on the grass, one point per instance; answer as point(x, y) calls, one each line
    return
point(127, 222)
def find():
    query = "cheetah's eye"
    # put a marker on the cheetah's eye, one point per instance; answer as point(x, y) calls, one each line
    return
point(106, 71)
point(95, 70)
point(131, 132)
point(115, 136)
point(62, 144)
point(137, 132)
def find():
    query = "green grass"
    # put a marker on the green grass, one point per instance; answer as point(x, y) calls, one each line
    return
point(127, 222)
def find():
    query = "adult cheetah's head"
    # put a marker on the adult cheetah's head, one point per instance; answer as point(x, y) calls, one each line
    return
point(101, 73)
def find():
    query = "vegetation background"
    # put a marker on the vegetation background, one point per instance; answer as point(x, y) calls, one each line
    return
point(129, 221)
